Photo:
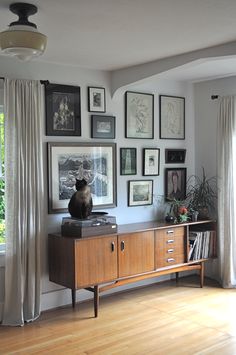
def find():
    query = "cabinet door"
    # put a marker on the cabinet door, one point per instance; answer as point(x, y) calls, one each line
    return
point(96, 260)
point(135, 253)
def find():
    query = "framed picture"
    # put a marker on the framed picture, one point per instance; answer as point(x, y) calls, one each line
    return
point(128, 162)
point(140, 192)
point(139, 115)
point(62, 110)
point(175, 183)
point(151, 161)
point(172, 117)
point(175, 156)
point(96, 99)
point(96, 163)
point(103, 126)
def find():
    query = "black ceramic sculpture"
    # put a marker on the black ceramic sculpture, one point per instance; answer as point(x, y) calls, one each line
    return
point(81, 203)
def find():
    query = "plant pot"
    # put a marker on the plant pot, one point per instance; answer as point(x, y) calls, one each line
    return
point(203, 213)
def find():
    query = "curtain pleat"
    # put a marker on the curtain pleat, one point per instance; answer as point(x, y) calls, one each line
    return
point(226, 165)
point(24, 200)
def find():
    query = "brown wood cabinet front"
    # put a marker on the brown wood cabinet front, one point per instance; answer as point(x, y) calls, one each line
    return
point(135, 253)
point(95, 260)
point(169, 246)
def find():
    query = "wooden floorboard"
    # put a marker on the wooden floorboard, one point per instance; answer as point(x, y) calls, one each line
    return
point(159, 319)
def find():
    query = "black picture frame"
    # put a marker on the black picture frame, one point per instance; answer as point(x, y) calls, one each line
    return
point(175, 156)
point(103, 127)
point(172, 117)
point(96, 99)
point(63, 111)
point(151, 161)
point(139, 115)
point(140, 192)
point(94, 162)
point(128, 161)
point(175, 184)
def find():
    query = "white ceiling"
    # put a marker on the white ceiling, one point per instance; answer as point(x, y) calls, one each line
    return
point(114, 34)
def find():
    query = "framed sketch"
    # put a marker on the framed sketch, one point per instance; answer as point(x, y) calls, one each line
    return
point(140, 192)
point(63, 116)
point(151, 161)
point(96, 163)
point(96, 99)
point(175, 156)
point(172, 117)
point(139, 115)
point(103, 126)
point(175, 184)
point(128, 162)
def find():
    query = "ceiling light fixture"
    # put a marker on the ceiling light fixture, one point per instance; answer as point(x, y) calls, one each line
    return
point(22, 39)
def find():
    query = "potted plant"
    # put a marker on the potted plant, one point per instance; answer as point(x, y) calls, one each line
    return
point(201, 194)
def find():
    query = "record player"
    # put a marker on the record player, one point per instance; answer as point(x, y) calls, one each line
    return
point(98, 223)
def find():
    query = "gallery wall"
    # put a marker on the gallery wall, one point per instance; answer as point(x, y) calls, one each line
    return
point(54, 295)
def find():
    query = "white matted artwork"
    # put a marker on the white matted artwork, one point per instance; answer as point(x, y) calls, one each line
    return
point(140, 192)
point(172, 117)
point(139, 115)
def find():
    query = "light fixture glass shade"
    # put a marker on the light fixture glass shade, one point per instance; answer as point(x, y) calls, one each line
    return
point(24, 42)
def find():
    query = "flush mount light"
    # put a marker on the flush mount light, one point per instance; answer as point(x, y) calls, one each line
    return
point(22, 39)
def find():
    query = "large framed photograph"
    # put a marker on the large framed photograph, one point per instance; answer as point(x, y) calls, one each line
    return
point(175, 156)
point(128, 161)
point(103, 126)
point(96, 99)
point(140, 192)
point(96, 163)
point(151, 161)
point(175, 184)
point(139, 115)
point(63, 116)
point(172, 117)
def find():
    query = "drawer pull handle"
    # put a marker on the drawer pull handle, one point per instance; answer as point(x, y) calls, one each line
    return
point(122, 246)
point(170, 241)
point(170, 232)
point(170, 260)
point(170, 250)
point(112, 246)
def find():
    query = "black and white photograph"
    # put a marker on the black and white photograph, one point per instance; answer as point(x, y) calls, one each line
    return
point(96, 163)
point(62, 110)
point(151, 161)
point(175, 184)
point(96, 99)
point(103, 126)
point(172, 117)
point(175, 156)
point(128, 162)
point(139, 115)
point(140, 192)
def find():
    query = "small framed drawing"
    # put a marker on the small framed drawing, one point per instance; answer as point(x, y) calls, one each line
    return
point(151, 161)
point(96, 99)
point(128, 164)
point(103, 126)
point(62, 110)
point(175, 183)
point(94, 162)
point(139, 115)
point(175, 156)
point(140, 192)
point(172, 117)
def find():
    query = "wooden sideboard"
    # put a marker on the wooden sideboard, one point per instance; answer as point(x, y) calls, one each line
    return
point(136, 252)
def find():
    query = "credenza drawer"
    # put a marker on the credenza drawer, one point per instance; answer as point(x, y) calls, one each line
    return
point(171, 232)
point(169, 260)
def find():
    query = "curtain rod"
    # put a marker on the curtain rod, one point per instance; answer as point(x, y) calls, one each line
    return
point(43, 82)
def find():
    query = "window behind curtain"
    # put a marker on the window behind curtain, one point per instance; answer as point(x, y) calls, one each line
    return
point(2, 182)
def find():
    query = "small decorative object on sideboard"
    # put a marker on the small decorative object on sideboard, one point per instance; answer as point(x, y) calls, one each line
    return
point(81, 204)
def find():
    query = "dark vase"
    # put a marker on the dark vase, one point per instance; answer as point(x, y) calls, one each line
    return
point(169, 219)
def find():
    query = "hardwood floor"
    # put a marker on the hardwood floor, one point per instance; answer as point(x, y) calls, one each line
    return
point(157, 319)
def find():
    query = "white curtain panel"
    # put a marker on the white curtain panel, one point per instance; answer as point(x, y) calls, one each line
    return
point(24, 196)
point(227, 190)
